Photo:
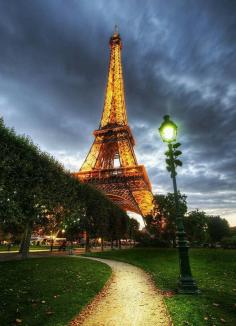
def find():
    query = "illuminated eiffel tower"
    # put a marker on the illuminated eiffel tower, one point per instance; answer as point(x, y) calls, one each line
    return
point(111, 165)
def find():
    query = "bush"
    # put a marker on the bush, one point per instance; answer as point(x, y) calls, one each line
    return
point(229, 242)
point(144, 240)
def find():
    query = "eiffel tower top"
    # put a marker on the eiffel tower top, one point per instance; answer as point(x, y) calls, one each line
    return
point(114, 110)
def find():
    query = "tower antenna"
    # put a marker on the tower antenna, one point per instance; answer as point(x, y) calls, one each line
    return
point(116, 30)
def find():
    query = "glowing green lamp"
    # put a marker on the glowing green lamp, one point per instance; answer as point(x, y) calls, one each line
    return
point(168, 130)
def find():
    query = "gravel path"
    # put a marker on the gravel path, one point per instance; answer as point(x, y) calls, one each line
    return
point(129, 299)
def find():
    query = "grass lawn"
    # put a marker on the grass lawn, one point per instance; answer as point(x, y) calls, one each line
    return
point(4, 248)
point(214, 270)
point(48, 291)
point(16, 248)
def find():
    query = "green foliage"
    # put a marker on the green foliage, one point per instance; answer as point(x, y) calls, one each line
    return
point(176, 145)
point(229, 242)
point(166, 205)
point(36, 191)
point(162, 224)
point(232, 231)
point(144, 239)
point(28, 180)
point(195, 224)
point(133, 228)
point(173, 161)
point(217, 228)
point(199, 227)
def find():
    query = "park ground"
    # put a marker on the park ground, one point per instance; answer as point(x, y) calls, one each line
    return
point(214, 271)
point(48, 291)
point(53, 290)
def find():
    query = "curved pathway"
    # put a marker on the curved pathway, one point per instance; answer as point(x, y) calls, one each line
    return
point(129, 299)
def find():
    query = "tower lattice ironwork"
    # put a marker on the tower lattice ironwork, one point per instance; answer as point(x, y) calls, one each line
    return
point(111, 164)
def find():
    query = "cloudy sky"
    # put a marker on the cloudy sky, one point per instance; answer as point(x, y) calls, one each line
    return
point(179, 57)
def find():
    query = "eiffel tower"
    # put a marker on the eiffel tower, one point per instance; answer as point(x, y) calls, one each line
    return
point(111, 165)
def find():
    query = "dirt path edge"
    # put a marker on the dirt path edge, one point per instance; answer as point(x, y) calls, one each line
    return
point(89, 309)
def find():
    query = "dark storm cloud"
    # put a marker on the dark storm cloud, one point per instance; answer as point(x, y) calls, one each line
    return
point(178, 58)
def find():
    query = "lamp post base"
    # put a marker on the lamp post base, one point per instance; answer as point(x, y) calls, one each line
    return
point(187, 285)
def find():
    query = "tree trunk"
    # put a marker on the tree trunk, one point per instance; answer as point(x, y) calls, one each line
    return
point(112, 244)
point(87, 243)
point(71, 248)
point(119, 241)
point(51, 245)
point(22, 241)
point(102, 244)
point(25, 244)
point(174, 242)
point(130, 242)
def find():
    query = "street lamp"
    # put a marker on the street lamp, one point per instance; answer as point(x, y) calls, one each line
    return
point(168, 132)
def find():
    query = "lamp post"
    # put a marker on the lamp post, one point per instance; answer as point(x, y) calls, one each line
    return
point(168, 132)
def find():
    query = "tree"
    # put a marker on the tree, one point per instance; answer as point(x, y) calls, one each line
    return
point(122, 225)
point(162, 224)
point(32, 185)
point(133, 228)
point(72, 224)
point(36, 191)
point(94, 221)
point(217, 228)
point(21, 194)
point(195, 224)
point(232, 231)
